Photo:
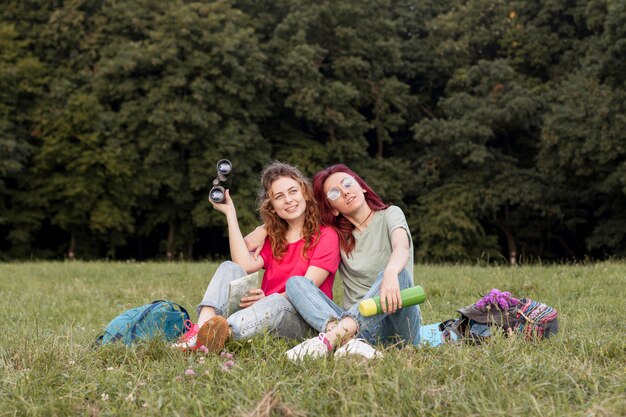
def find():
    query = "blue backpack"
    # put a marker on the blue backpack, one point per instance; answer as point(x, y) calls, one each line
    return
point(157, 318)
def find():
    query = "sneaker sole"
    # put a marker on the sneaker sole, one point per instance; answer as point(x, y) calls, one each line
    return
point(357, 356)
point(213, 334)
point(185, 348)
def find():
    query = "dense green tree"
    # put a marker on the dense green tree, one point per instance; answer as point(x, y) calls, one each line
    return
point(333, 68)
point(85, 174)
point(582, 141)
point(80, 171)
point(21, 82)
point(496, 125)
point(475, 164)
point(185, 80)
point(584, 152)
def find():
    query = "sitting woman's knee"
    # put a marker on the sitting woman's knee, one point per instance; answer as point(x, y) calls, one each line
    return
point(229, 267)
point(294, 283)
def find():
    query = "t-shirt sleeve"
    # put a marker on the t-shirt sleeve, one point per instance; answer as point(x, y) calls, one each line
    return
point(395, 220)
point(325, 254)
point(266, 253)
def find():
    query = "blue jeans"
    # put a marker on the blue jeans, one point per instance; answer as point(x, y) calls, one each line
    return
point(273, 313)
point(317, 310)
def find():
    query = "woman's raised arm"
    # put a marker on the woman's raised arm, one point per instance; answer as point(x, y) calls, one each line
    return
point(238, 251)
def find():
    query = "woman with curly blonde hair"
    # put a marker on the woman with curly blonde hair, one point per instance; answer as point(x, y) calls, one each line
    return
point(296, 245)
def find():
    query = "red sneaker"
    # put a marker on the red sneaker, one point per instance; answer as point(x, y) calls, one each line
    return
point(188, 341)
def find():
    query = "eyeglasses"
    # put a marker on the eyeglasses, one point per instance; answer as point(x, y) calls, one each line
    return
point(346, 183)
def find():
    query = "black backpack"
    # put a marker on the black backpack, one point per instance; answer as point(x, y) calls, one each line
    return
point(531, 319)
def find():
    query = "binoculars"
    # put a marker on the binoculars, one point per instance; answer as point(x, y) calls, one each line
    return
point(218, 192)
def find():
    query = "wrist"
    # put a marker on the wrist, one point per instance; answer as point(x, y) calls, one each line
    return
point(393, 269)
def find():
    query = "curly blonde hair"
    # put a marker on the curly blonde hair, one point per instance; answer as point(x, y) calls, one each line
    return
point(277, 227)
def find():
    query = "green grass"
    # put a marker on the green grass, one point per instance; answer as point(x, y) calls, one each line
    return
point(52, 312)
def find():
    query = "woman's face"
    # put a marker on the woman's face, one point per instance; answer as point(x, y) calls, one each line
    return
point(350, 195)
point(287, 198)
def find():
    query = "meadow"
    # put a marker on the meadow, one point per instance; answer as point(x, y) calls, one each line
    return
point(52, 312)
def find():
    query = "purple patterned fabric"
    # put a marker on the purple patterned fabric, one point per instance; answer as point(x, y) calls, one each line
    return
point(500, 299)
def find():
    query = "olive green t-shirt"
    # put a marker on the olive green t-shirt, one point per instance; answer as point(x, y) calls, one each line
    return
point(371, 253)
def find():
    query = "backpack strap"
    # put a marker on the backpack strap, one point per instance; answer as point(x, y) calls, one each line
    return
point(444, 324)
point(182, 310)
point(451, 330)
point(144, 313)
point(152, 306)
point(98, 342)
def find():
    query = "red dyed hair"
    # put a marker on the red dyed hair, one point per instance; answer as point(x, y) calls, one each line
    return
point(342, 225)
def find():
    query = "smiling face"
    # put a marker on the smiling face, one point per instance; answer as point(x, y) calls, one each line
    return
point(351, 197)
point(287, 199)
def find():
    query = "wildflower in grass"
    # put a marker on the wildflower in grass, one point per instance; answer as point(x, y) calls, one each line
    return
point(130, 397)
point(110, 368)
point(227, 355)
point(203, 349)
point(178, 378)
point(104, 397)
point(201, 359)
point(227, 365)
point(190, 372)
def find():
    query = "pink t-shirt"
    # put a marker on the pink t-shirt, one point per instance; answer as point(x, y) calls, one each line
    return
point(324, 255)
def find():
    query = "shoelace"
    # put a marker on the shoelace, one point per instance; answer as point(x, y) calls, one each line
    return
point(183, 339)
point(188, 325)
point(323, 338)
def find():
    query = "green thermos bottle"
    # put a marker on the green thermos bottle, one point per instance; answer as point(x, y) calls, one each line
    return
point(410, 297)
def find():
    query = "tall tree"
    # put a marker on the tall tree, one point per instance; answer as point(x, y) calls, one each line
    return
point(334, 74)
point(82, 171)
point(21, 84)
point(583, 151)
point(186, 80)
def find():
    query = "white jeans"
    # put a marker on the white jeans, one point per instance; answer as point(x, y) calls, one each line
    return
point(273, 313)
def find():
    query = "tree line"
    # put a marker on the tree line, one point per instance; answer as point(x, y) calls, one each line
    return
point(497, 126)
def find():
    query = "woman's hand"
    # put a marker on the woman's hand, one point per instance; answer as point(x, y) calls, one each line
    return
point(227, 207)
point(255, 295)
point(390, 299)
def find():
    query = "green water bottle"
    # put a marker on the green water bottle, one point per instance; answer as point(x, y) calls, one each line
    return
point(410, 297)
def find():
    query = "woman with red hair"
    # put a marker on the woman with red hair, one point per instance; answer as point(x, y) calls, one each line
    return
point(376, 259)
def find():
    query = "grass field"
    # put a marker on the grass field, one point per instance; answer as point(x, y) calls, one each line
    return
point(51, 313)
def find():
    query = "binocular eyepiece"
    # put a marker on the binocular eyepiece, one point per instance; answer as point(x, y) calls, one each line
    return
point(218, 192)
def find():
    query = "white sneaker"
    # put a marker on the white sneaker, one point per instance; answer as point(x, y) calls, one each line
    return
point(312, 348)
point(358, 347)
